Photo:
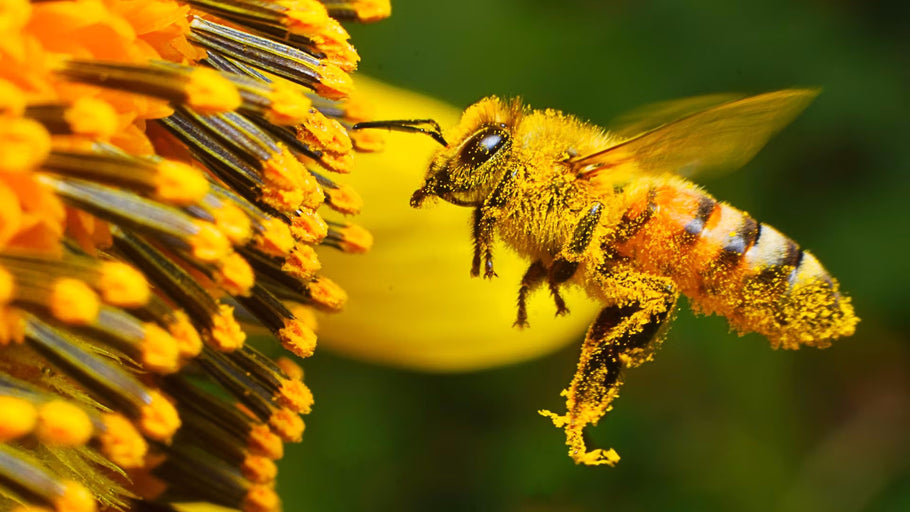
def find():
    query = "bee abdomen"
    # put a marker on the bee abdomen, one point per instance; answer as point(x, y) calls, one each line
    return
point(730, 264)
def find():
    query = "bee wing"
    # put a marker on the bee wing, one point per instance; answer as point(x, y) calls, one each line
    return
point(707, 133)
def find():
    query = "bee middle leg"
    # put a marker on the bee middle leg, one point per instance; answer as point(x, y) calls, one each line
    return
point(565, 264)
point(622, 336)
point(535, 275)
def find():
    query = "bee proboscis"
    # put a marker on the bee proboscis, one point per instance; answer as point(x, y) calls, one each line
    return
point(610, 211)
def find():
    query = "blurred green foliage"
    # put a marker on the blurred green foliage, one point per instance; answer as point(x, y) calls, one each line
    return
point(715, 422)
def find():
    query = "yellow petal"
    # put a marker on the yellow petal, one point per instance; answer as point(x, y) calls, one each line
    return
point(412, 302)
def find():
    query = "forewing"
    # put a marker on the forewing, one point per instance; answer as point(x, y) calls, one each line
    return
point(717, 138)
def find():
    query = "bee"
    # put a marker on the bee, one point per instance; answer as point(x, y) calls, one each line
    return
point(613, 212)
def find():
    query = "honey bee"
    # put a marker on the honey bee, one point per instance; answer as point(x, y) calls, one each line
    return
point(612, 213)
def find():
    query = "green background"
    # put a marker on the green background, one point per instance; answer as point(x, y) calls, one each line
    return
point(716, 422)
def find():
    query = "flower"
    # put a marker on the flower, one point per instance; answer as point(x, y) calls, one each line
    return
point(160, 168)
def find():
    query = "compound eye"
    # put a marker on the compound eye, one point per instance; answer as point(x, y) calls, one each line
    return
point(483, 145)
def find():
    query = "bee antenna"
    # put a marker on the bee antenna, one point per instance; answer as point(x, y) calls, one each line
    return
point(425, 126)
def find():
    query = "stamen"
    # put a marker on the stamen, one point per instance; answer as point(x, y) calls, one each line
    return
point(148, 342)
point(332, 138)
point(193, 472)
point(172, 280)
point(343, 199)
point(156, 416)
point(203, 89)
point(177, 323)
point(33, 483)
point(118, 283)
point(166, 180)
point(87, 116)
point(201, 239)
point(364, 11)
point(198, 405)
point(349, 238)
point(326, 79)
point(308, 227)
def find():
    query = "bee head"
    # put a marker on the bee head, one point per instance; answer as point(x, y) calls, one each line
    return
point(466, 171)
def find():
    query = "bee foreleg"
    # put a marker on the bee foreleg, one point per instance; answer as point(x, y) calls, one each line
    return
point(484, 222)
point(621, 337)
point(485, 217)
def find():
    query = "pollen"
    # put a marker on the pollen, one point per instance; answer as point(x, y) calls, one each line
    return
point(160, 350)
point(122, 285)
point(265, 442)
point(299, 339)
point(261, 499)
point(18, 417)
point(75, 498)
point(226, 332)
point(295, 395)
point(63, 424)
point(73, 302)
point(303, 263)
point(275, 238)
point(159, 418)
point(235, 275)
point(179, 183)
point(208, 92)
point(189, 343)
point(92, 117)
point(24, 144)
point(209, 244)
point(344, 199)
point(121, 442)
point(288, 425)
point(259, 470)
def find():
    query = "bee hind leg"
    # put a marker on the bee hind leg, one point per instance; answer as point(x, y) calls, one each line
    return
point(621, 337)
